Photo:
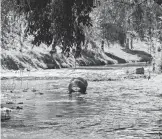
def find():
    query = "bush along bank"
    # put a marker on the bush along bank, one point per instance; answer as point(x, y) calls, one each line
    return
point(15, 60)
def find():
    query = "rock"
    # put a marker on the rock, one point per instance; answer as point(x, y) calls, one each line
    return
point(140, 70)
point(5, 113)
point(33, 89)
point(78, 85)
point(40, 93)
point(19, 108)
point(25, 90)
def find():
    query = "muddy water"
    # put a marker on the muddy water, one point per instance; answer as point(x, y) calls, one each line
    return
point(117, 106)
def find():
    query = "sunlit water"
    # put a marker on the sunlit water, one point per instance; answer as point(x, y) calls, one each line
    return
point(115, 107)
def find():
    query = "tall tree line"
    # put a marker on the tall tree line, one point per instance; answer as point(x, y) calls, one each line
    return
point(137, 17)
point(63, 21)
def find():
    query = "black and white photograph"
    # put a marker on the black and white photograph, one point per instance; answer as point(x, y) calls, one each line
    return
point(81, 69)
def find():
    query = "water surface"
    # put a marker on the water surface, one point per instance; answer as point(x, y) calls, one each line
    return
point(117, 106)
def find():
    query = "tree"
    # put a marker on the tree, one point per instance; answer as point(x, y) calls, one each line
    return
point(57, 21)
point(118, 17)
point(158, 2)
point(11, 23)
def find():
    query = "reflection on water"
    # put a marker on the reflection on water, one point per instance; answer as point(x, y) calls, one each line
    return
point(110, 109)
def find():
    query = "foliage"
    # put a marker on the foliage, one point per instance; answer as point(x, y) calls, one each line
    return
point(57, 21)
point(113, 33)
point(158, 2)
point(11, 24)
point(140, 16)
point(64, 22)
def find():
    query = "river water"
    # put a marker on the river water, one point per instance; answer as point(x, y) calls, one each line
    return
point(118, 105)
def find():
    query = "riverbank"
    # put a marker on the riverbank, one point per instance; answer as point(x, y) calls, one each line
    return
point(40, 58)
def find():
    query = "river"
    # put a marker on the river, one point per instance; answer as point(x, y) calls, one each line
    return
point(118, 105)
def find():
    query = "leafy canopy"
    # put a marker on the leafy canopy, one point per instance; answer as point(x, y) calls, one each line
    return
point(57, 21)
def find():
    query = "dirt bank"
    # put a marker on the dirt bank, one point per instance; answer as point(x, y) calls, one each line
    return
point(40, 58)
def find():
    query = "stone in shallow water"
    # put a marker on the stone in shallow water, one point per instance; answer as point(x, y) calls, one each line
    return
point(18, 107)
point(140, 70)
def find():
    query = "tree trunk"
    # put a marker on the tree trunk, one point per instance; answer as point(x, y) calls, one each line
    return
point(108, 43)
point(131, 43)
point(127, 43)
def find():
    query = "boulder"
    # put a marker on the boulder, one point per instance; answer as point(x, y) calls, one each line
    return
point(140, 71)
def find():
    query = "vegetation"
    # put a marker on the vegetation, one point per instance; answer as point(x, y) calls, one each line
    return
point(122, 20)
point(63, 22)
point(57, 22)
point(72, 24)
